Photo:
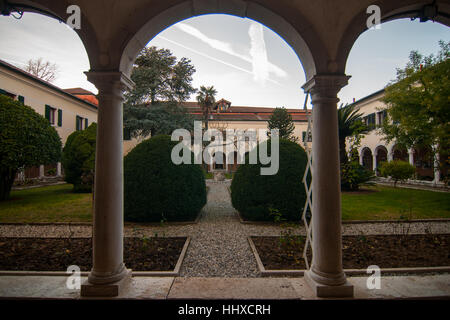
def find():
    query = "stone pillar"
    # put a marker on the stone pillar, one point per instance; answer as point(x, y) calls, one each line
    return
point(436, 164)
point(326, 276)
point(58, 169)
point(375, 164)
point(41, 171)
point(108, 274)
point(361, 158)
point(411, 156)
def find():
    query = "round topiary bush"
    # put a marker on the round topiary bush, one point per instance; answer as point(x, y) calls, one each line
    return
point(78, 159)
point(155, 189)
point(271, 197)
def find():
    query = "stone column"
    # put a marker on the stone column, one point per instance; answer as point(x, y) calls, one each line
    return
point(58, 169)
point(326, 276)
point(436, 165)
point(108, 274)
point(41, 171)
point(411, 156)
point(374, 161)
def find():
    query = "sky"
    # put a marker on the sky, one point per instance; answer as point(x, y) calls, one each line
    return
point(248, 64)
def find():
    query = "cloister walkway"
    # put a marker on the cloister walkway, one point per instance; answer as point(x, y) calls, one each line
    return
point(219, 246)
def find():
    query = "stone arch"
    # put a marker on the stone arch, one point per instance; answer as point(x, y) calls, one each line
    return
point(57, 10)
point(390, 10)
point(306, 45)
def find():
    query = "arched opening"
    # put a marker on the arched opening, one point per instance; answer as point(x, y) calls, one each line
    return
point(382, 156)
point(399, 153)
point(424, 163)
point(367, 158)
point(187, 9)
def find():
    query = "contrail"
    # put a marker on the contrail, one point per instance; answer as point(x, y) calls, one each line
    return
point(215, 59)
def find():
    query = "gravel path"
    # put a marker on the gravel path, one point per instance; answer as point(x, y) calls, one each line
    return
point(219, 246)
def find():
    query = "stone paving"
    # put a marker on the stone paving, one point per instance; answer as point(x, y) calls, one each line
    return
point(219, 246)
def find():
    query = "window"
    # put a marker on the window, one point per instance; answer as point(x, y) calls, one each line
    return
point(6, 93)
point(380, 117)
point(21, 99)
point(304, 136)
point(370, 121)
point(81, 123)
point(50, 114)
point(126, 134)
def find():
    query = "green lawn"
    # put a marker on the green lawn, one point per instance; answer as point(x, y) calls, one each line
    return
point(386, 203)
point(47, 204)
point(59, 204)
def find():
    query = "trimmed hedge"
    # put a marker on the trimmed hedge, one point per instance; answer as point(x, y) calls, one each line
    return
point(78, 159)
point(155, 189)
point(256, 196)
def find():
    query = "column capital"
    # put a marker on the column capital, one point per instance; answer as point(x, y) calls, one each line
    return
point(109, 81)
point(326, 84)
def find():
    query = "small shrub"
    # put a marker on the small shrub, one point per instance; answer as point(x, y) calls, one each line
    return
point(398, 170)
point(257, 197)
point(78, 159)
point(353, 175)
point(155, 189)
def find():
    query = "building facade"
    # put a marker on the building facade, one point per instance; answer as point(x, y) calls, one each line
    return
point(65, 111)
point(374, 149)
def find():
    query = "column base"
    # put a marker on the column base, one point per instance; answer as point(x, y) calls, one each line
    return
point(329, 291)
point(113, 289)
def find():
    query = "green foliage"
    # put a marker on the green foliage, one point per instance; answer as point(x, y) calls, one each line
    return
point(162, 82)
point(398, 170)
point(259, 197)
point(26, 139)
point(161, 118)
point(160, 77)
point(350, 124)
point(419, 105)
point(282, 120)
point(156, 189)
point(79, 159)
point(353, 175)
point(206, 98)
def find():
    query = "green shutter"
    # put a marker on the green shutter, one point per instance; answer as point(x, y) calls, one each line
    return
point(86, 123)
point(47, 112)
point(303, 136)
point(21, 99)
point(59, 118)
point(126, 134)
point(77, 123)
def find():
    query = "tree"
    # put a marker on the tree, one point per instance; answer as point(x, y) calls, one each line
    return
point(162, 118)
point(78, 159)
point(350, 124)
point(282, 120)
point(26, 139)
point(398, 170)
point(44, 70)
point(206, 99)
point(158, 76)
point(152, 106)
point(418, 114)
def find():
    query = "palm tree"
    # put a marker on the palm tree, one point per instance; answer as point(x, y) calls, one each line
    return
point(206, 99)
point(350, 123)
